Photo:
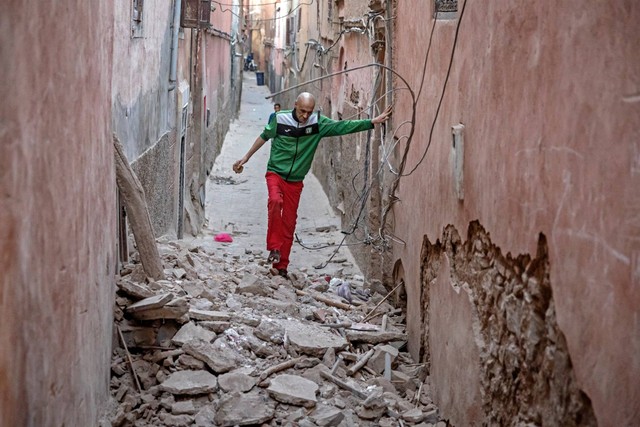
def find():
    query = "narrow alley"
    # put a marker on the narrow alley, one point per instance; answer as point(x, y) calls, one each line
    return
point(305, 213)
point(224, 341)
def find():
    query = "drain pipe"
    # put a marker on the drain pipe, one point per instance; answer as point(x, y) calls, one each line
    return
point(174, 45)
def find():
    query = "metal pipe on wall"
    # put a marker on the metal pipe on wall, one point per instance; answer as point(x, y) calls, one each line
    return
point(174, 44)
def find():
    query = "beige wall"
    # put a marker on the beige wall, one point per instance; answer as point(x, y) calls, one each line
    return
point(548, 98)
point(57, 191)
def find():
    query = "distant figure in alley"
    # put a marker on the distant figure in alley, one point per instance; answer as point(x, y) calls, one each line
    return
point(295, 135)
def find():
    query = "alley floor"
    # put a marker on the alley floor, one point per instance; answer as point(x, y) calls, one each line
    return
point(222, 341)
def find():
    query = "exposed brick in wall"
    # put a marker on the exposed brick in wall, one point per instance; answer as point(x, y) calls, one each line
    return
point(524, 369)
point(157, 169)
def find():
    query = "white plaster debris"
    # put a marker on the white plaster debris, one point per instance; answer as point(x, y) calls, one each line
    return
point(240, 346)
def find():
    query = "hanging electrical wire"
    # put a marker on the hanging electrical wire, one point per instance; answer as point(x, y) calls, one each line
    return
point(383, 235)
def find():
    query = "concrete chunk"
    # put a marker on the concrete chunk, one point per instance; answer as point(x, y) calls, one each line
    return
point(244, 409)
point(236, 381)
point(135, 290)
point(156, 301)
point(218, 356)
point(377, 362)
point(191, 331)
point(293, 390)
point(251, 284)
point(326, 416)
point(208, 315)
point(271, 331)
point(174, 309)
point(310, 339)
point(190, 382)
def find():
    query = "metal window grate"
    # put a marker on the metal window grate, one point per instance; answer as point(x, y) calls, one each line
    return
point(446, 6)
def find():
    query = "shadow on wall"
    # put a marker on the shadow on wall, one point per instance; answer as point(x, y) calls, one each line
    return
point(524, 370)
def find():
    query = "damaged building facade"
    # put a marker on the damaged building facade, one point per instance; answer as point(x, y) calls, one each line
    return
point(176, 87)
point(503, 197)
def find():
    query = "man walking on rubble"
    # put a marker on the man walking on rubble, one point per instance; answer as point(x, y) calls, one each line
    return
point(295, 136)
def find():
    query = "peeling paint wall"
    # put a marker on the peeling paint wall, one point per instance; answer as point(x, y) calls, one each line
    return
point(548, 100)
point(58, 212)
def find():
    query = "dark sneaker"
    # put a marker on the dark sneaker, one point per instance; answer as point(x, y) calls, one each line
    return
point(274, 257)
point(282, 272)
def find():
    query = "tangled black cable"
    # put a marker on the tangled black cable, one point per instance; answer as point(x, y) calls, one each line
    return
point(414, 99)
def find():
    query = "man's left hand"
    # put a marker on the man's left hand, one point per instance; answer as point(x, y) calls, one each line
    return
point(383, 117)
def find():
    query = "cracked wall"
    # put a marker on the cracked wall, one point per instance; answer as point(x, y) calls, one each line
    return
point(494, 315)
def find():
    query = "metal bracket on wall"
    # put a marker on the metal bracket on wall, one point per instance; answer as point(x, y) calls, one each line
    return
point(458, 160)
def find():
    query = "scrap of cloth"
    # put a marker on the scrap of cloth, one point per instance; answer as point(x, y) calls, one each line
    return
point(223, 237)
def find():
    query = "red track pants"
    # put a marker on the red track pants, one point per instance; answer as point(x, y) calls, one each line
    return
point(282, 207)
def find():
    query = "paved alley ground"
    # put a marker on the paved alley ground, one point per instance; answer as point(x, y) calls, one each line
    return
point(224, 342)
point(237, 203)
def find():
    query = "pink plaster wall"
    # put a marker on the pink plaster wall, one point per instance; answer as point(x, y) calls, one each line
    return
point(546, 95)
point(57, 191)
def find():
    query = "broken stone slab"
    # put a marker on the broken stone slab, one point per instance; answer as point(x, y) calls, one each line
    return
point(156, 301)
point(402, 381)
point(206, 417)
point(293, 390)
point(246, 319)
point(209, 315)
point(179, 273)
point(251, 284)
point(326, 416)
point(189, 362)
point(377, 361)
point(135, 290)
point(285, 294)
point(174, 309)
point(190, 331)
point(176, 420)
point(244, 409)
point(257, 346)
point(271, 331)
point(216, 326)
point(311, 339)
point(374, 337)
point(236, 381)
point(195, 289)
point(190, 382)
point(218, 356)
point(200, 304)
point(282, 306)
point(183, 407)
point(414, 415)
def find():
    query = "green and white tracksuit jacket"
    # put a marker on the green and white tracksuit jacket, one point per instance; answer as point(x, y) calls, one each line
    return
point(293, 145)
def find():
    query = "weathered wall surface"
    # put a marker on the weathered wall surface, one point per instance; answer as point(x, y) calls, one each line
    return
point(550, 110)
point(215, 98)
point(144, 113)
point(57, 191)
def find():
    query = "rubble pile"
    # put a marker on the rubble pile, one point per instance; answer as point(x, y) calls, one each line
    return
point(226, 342)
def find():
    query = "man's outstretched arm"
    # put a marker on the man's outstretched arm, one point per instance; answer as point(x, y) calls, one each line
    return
point(238, 166)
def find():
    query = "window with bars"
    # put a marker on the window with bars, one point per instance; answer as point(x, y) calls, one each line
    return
point(446, 9)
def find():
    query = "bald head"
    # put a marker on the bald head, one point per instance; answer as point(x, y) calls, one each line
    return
point(304, 105)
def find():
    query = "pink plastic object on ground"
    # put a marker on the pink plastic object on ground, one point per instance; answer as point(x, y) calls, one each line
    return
point(223, 237)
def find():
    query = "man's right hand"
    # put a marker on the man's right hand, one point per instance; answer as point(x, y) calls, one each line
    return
point(238, 166)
